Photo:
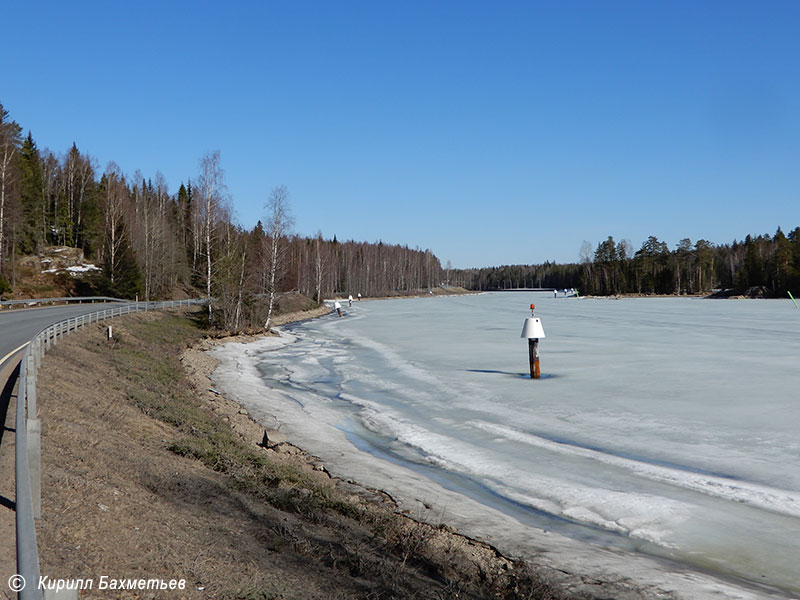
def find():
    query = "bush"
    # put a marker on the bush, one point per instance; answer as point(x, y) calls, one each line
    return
point(5, 287)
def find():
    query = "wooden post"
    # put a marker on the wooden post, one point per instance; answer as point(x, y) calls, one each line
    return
point(533, 357)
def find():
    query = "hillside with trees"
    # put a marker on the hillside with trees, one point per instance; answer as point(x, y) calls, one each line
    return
point(151, 244)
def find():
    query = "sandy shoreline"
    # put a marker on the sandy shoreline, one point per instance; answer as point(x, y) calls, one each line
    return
point(584, 569)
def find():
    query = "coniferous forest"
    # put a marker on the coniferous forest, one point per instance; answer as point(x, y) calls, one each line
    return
point(154, 245)
point(760, 266)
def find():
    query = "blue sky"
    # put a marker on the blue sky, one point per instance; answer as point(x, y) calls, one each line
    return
point(490, 132)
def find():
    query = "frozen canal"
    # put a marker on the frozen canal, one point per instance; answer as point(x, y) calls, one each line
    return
point(661, 427)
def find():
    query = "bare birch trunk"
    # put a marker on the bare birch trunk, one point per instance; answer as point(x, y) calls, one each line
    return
point(280, 222)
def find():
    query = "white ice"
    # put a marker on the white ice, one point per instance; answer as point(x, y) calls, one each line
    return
point(661, 427)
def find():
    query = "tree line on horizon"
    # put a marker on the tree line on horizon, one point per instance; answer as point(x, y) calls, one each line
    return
point(152, 244)
point(767, 265)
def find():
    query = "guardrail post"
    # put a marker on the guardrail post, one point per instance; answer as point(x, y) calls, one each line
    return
point(27, 553)
point(34, 430)
point(30, 384)
point(37, 352)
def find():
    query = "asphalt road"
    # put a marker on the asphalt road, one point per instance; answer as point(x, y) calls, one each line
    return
point(18, 326)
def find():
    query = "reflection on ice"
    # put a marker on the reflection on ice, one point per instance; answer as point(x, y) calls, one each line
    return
point(653, 430)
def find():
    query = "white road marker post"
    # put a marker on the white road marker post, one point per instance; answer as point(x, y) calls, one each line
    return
point(532, 330)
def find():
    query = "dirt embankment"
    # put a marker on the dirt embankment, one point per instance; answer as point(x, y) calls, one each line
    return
point(147, 473)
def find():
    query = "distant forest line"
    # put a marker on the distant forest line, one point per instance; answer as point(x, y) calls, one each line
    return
point(150, 243)
point(765, 264)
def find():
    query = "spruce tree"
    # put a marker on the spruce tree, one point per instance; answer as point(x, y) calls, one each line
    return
point(33, 205)
point(127, 281)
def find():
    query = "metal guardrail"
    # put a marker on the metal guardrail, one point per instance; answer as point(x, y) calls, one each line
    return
point(28, 433)
point(67, 300)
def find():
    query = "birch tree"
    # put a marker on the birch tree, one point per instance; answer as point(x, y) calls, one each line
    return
point(279, 223)
point(114, 211)
point(319, 267)
point(9, 144)
point(231, 288)
point(49, 193)
point(210, 191)
point(77, 175)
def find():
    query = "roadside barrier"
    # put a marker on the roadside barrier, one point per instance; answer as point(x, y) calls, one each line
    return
point(67, 300)
point(28, 470)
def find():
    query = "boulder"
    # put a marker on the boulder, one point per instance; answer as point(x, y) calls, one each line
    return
point(59, 258)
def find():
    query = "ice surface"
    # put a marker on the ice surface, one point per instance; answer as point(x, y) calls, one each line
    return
point(662, 426)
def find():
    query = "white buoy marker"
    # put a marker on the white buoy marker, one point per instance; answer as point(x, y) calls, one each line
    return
point(532, 330)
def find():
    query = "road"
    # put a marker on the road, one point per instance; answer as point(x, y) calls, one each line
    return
point(17, 327)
